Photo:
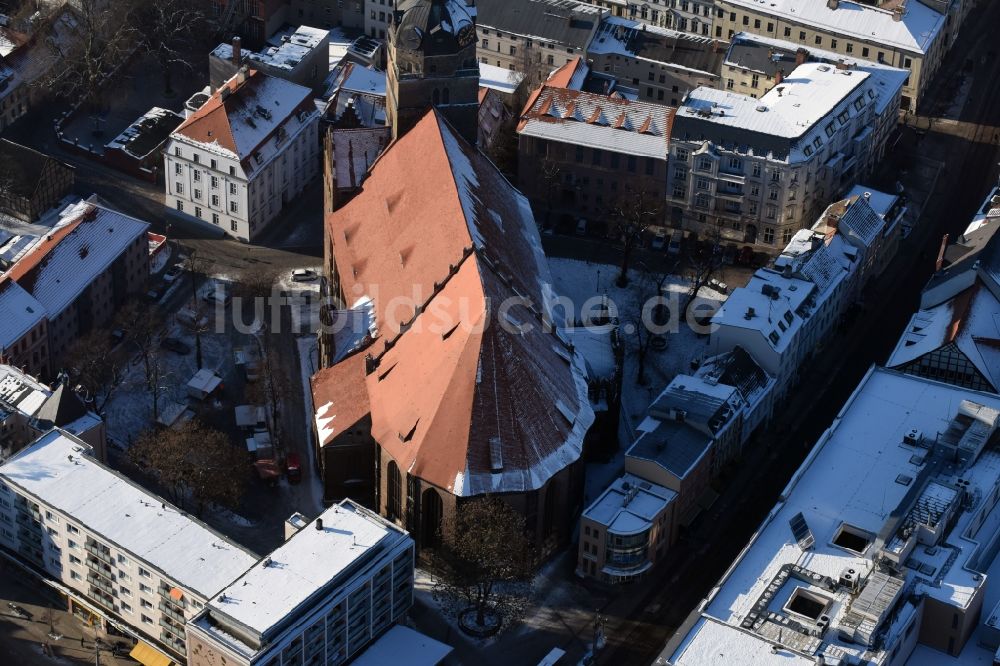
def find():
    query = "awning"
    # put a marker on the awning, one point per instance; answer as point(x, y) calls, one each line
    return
point(146, 654)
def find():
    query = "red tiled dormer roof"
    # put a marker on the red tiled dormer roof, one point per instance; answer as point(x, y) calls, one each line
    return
point(245, 112)
point(438, 239)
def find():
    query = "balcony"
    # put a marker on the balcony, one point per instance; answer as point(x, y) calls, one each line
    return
point(176, 644)
point(102, 600)
point(99, 554)
point(97, 582)
point(178, 604)
point(99, 567)
point(171, 612)
point(171, 626)
point(27, 522)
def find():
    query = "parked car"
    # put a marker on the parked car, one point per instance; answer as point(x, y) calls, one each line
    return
point(117, 336)
point(659, 241)
point(173, 273)
point(293, 468)
point(581, 227)
point(154, 294)
point(719, 286)
point(191, 318)
point(674, 247)
point(175, 345)
point(217, 297)
point(303, 275)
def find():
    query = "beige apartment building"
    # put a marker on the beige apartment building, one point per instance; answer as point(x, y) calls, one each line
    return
point(538, 38)
point(909, 36)
point(755, 171)
point(691, 16)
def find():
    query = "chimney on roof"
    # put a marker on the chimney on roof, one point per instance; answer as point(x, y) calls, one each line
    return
point(237, 51)
point(241, 76)
point(897, 13)
point(800, 56)
point(319, 525)
point(779, 76)
point(832, 4)
point(842, 65)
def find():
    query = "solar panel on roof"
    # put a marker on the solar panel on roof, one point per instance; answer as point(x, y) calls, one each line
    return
point(800, 530)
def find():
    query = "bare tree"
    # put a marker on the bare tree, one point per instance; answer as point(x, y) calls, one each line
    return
point(485, 564)
point(95, 365)
point(659, 315)
point(81, 66)
point(199, 268)
point(702, 264)
point(142, 326)
point(169, 30)
point(633, 213)
point(551, 173)
point(194, 463)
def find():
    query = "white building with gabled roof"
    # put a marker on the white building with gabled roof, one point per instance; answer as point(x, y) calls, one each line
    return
point(123, 556)
point(244, 155)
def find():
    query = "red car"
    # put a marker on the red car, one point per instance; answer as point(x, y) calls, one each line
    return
point(293, 469)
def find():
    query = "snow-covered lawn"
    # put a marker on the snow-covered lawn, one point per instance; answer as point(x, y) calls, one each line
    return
point(130, 411)
point(580, 281)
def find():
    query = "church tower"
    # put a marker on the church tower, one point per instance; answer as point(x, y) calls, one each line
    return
point(432, 62)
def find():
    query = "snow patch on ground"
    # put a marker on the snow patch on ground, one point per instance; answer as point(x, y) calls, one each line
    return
point(582, 281)
point(130, 411)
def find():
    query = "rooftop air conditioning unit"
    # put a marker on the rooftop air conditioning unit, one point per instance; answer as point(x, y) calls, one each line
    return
point(913, 437)
point(849, 578)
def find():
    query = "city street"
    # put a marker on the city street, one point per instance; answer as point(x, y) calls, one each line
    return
point(21, 639)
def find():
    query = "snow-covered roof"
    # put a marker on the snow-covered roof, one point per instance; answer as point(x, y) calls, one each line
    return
point(680, 51)
point(598, 121)
point(767, 55)
point(470, 408)
point(64, 263)
point(629, 505)
point(970, 320)
point(596, 345)
point(916, 32)
point(787, 120)
point(880, 202)
point(770, 304)
point(250, 116)
point(498, 78)
point(21, 391)
point(315, 560)
point(292, 48)
point(402, 645)
point(59, 471)
point(875, 470)
point(147, 133)
point(21, 312)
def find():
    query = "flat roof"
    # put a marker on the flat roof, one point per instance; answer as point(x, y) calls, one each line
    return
point(789, 110)
point(676, 447)
point(59, 471)
point(629, 505)
point(919, 27)
point(865, 473)
point(308, 562)
point(402, 645)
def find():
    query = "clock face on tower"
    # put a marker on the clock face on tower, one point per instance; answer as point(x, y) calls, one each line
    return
point(466, 35)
